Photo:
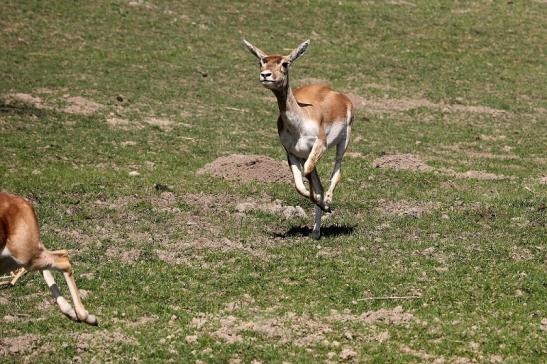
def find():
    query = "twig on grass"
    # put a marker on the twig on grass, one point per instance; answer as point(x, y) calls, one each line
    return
point(389, 298)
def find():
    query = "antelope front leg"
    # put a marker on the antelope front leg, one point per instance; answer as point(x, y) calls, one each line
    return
point(65, 307)
point(296, 168)
point(317, 151)
point(81, 312)
point(316, 185)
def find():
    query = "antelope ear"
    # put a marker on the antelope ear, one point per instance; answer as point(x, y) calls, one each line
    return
point(298, 51)
point(257, 52)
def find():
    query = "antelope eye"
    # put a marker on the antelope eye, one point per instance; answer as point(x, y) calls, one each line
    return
point(285, 64)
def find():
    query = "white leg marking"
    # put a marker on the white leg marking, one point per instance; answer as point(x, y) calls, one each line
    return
point(65, 307)
point(82, 313)
point(296, 168)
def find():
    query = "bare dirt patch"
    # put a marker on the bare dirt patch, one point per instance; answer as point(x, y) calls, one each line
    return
point(395, 316)
point(410, 162)
point(18, 344)
point(275, 207)
point(229, 203)
point(406, 208)
point(125, 255)
point(247, 168)
point(302, 330)
point(480, 175)
point(27, 99)
point(405, 162)
point(120, 123)
point(81, 106)
point(386, 105)
point(102, 339)
point(162, 123)
point(519, 253)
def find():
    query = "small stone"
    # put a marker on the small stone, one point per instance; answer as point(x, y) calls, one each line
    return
point(134, 174)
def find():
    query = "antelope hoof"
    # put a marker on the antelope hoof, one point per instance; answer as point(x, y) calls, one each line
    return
point(82, 316)
point(315, 234)
point(328, 198)
point(91, 320)
point(71, 314)
point(325, 208)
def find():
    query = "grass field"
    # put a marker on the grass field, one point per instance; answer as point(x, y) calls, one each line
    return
point(102, 101)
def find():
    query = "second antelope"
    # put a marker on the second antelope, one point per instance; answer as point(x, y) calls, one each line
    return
point(311, 119)
point(21, 247)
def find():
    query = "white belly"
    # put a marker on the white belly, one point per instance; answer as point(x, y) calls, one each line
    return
point(299, 135)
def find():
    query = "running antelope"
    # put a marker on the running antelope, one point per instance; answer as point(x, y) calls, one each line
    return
point(311, 119)
point(21, 247)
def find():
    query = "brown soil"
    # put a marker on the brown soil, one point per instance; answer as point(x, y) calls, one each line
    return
point(101, 339)
point(475, 175)
point(410, 162)
point(395, 316)
point(81, 106)
point(300, 330)
point(18, 344)
point(26, 99)
point(125, 255)
point(386, 105)
point(247, 168)
point(121, 123)
point(407, 162)
point(519, 253)
point(162, 123)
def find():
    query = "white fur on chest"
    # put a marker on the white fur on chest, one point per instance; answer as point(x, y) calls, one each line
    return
point(298, 134)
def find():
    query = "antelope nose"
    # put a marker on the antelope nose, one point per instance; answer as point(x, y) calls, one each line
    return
point(265, 74)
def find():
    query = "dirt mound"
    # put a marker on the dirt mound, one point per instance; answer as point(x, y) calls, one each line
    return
point(406, 162)
point(246, 168)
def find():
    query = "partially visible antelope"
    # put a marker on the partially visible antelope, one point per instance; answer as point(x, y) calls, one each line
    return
point(21, 247)
point(311, 119)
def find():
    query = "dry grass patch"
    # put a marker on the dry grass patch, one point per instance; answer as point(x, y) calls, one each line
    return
point(18, 345)
point(406, 208)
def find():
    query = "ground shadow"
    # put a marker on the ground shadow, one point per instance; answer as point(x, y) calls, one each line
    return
point(20, 108)
point(326, 231)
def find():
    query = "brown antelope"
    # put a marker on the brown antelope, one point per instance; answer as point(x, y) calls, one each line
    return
point(20, 246)
point(311, 119)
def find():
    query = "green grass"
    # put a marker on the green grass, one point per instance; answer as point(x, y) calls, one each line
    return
point(476, 261)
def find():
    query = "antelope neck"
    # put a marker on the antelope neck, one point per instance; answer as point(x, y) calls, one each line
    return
point(287, 103)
